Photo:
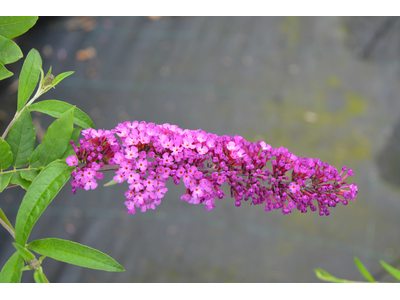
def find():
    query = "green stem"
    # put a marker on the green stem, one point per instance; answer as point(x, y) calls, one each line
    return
point(8, 228)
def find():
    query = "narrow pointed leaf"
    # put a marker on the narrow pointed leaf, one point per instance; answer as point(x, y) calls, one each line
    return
point(392, 270)
point(55, 108)
point(325, 276)
point(60, 77)
point(110, 183)
point(29, 77)
point(5, 220)
point(11, 272)
point(4, 180)
point(39, 276)
point(41, 192)
point(70, 151)
point(16, 179)
point(21, 139)
point(11, 27)
point(76, 254)
point(9, 51)
point(4, 73)
point(363, 270)
point(25, 253)
point(55, 141)
point(6, 156)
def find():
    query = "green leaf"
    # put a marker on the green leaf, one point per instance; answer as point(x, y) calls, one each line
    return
point(11, 272)
point(39, 276)
point(76, 254)
point(70, 151)
point(60, 77)
point(4, 73)
point(16, 179)
point(392, 270)
point(55, 108)
point(29, 174)
point(25, 253)
point(11, 27)
point(5, 220)
point(325, 276)
point(29, 77)
point(363, 270)
point(55, 141)
point(111, 182)
point(4, 180)
point(41, 192)
point(9, 51)
point(6, 156)
point(21, 138)
point(34, 161)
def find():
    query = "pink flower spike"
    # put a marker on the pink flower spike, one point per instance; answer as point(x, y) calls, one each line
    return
point(72, 161)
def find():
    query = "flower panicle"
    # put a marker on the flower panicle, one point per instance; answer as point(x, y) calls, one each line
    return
point(148, 155)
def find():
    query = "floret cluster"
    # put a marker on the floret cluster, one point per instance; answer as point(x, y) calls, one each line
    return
point(147, 155)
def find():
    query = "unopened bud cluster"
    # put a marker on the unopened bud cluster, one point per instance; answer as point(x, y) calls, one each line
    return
point(148, 155)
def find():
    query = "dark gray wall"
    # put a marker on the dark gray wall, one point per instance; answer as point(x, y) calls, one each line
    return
point(324, 87)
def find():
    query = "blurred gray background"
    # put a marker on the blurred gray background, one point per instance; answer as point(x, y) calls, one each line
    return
point(323, 87)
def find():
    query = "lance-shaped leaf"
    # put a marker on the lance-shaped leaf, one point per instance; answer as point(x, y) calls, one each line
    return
point(25, 253)
point(11, 27)
point(11, 272)
point(41, 192)
point(55, 141)
point(76, 254)
point(325, 276)
point(392, 270)
point(9, 51)
point(6, 156)
point(22, 138)
point(4, 73)
point(74, 137)
point(29, 77)
point(363, 270)
point(39, 276)
point(4, 180)
point(60, 77)
point(55, 108)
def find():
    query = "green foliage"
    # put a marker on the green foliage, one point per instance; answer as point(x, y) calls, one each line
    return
point(4, 180)
point(325, 276)
point(55, 108)
point(363, 270)
point(76, 254)
point(11, 271)
point(25, 253)
point(9, 51)
point(6, 156)
point(393, 271)
point(29, 77)
point(41, 171)
point(4, 218)
point(41, 192)
point(11, 27)
point(22, 139)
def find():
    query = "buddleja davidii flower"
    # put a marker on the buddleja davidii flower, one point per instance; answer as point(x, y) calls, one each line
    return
point(92, 152)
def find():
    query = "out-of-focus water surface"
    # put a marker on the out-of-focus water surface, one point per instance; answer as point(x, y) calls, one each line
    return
point(323, 87)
